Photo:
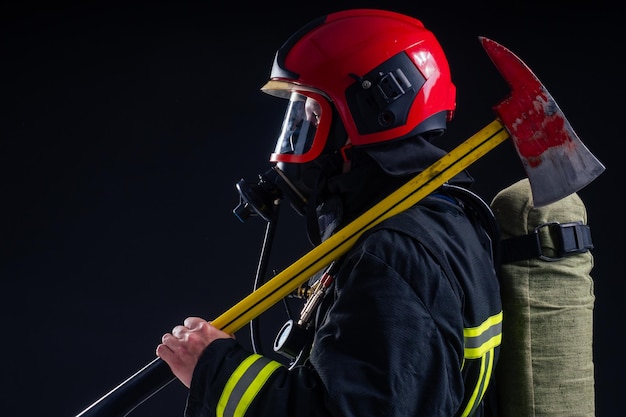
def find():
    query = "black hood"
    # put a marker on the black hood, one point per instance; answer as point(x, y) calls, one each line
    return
point(376, 171)
point(409, 157)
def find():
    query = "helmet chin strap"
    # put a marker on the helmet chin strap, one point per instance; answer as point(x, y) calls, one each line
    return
point(312, 223)
point(345, 155)
point(297, 199)
point(329, 215)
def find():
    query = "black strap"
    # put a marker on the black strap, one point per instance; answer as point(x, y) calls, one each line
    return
point(566, 238)
point(477, 208)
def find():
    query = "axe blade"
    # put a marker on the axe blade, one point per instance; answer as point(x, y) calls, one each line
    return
point(556, 161)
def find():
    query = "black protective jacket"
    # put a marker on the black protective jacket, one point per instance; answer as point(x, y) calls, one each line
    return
point(413, 329)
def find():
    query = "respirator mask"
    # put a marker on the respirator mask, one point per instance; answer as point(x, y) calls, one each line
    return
point(297, 162)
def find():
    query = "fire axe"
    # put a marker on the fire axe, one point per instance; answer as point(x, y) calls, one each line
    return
point(556, 162)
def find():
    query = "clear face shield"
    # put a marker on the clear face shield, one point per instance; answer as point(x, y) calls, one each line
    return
point(304, 130)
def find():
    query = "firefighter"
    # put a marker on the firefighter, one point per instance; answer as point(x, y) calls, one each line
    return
point(409, 323)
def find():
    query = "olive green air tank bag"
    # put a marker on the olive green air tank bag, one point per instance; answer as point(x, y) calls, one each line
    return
point(546, 359)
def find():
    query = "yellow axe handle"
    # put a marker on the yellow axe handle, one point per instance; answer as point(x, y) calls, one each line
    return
point(427, 181)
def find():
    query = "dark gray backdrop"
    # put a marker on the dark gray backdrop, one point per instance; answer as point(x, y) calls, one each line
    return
point(124, 128)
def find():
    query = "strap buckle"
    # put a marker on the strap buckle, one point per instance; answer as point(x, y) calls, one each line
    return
point(567, 239)
point(558, 240)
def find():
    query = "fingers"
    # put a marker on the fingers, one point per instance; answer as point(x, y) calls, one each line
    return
point(180, 357)
point(194, 335)
point(179, 331)
point(164, 352)
point(190, 324)
point(184, 345)
point(168, 339)
point(194, 322)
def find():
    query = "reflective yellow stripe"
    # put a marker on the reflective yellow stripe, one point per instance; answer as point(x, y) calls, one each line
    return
point(481, 339)
point(244, 384)
point(486, 367)
point(254, 388)
point(480, 343)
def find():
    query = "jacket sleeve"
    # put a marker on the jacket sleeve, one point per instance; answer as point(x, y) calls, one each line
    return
point(229, 381)
point(382, 350)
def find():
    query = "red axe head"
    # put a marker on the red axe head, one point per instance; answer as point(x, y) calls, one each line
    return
point(556, 161)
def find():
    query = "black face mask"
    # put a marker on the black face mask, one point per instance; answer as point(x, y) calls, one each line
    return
point(305, 186)
point(259, 199)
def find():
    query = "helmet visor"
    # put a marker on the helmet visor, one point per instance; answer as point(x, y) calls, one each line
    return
point(304, 129)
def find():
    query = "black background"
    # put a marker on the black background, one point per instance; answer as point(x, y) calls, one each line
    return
point(124, 127)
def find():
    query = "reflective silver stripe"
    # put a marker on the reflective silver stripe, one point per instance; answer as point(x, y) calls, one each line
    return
point(480, 339)
point(244, 384)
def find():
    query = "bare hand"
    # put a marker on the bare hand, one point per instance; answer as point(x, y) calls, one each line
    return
point(181, 348)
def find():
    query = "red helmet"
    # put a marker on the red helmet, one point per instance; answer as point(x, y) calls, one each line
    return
point(385, 73)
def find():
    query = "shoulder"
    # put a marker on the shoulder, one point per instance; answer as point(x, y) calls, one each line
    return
point(432, 216)
point(407, 242)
